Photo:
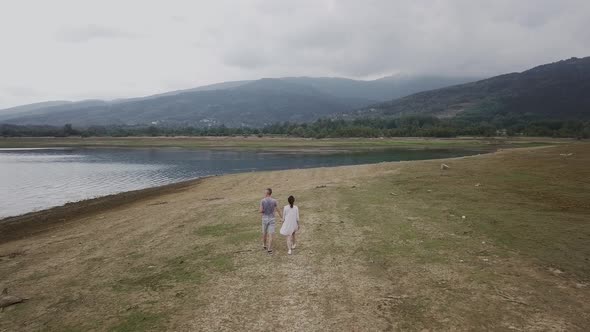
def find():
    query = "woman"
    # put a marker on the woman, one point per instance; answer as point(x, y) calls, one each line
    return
point(290, 223)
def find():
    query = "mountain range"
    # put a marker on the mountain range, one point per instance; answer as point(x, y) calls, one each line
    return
point(252, 103)
point(559, 90)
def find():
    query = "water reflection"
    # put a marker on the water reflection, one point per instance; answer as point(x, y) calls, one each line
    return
point(33, 179)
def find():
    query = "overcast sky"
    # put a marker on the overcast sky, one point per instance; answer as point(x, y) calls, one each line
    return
point(77, 49)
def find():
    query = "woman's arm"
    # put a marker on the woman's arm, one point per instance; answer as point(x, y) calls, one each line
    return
point(297, 215)
point(278, 211)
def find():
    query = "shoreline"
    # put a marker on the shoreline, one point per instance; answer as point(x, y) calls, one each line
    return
point(142, 192)
point(392, 240)
point(34, 222)
point(273, 143)
point(310, 150)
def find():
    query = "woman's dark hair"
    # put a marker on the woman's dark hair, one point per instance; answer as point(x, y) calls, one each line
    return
point(291, 200)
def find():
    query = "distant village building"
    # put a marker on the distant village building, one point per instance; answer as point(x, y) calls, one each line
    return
point(501, 132)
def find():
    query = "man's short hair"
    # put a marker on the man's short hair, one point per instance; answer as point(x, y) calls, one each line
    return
point(269, 191)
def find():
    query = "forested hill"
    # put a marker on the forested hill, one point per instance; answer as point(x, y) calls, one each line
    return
point(559, 90)
point(240, 103)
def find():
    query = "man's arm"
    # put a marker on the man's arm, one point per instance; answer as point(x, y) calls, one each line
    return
point(277, 210)
point(261, 210)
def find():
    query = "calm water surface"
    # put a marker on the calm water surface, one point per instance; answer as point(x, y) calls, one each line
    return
point(34, 179)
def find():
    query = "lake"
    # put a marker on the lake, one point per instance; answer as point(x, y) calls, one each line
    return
point(35, 179)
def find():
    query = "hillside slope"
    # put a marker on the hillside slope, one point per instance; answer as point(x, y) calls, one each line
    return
point(556, 90)
point(386, 88)
point(30, 108)
point(237, 103)
point(252, 104)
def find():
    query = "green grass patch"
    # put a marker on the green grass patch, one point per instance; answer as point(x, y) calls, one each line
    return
point(519, 176)
point(194, 268)
point(72, 329)
point(38, 275)
point(230, 233)
point(242, 237)
point(220, 263)
point(267, 143)
point(218, 230)
point(140, 321)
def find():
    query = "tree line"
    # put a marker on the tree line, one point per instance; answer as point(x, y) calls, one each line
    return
point(469, 124)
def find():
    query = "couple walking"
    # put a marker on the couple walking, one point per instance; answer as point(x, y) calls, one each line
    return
point(289, 217)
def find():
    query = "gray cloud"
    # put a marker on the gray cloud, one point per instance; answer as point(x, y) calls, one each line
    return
point(89, 32)
point(249, 58)
point(21, 91)
point(178, 18)
point(137, 47)
point(359, 39)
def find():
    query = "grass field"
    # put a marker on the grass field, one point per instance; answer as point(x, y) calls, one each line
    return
point(272, 143)
point(496, 242)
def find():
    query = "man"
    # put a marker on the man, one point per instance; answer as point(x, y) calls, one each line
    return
point(268, 207)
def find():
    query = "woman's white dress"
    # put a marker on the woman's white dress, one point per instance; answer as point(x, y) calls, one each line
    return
point(291, 217)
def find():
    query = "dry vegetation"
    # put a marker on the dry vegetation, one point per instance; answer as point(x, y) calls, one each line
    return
point(270, 143)
point(382, 247)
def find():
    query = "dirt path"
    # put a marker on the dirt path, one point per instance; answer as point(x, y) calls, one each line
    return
point(317, 286)
point(382, 247)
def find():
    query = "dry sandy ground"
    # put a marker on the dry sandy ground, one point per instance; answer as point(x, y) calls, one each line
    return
point(382, 247)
